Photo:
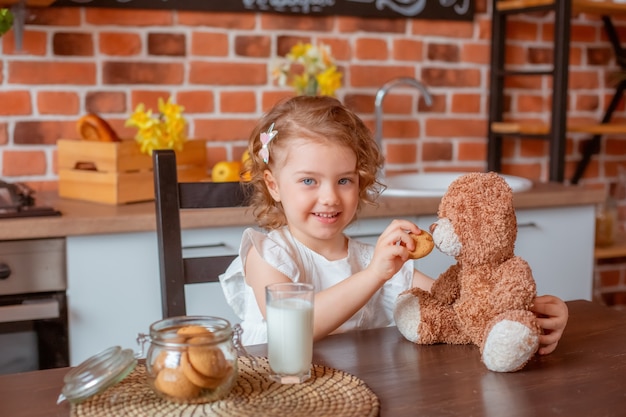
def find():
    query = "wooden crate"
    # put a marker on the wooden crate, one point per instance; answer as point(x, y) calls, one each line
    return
point(117, 172)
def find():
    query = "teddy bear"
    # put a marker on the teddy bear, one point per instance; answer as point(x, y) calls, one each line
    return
point(485, 297)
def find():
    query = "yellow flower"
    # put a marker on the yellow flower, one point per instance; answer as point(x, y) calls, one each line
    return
point(165, 130)
point(309, 69)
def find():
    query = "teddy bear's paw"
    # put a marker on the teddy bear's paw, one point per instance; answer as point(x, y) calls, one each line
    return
point(508, 346)
point(407, 316)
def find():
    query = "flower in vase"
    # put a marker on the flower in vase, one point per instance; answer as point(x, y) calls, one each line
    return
point(163, 130)
point(309, 69)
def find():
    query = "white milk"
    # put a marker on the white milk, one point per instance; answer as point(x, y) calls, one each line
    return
point(290, 336)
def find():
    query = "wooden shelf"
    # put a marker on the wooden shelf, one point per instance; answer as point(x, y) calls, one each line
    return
point(616, 250)
point(521, 4)
point(515, 128)
point(578, 6)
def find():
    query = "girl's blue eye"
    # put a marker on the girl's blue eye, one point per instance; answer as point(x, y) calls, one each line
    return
point(345, 181)
point(308, 181)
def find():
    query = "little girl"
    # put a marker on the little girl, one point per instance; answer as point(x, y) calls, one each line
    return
point(313, 163)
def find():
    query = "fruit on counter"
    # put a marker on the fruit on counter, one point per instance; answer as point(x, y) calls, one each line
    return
point(226, 171)
point(245, 175)
point(92, 127)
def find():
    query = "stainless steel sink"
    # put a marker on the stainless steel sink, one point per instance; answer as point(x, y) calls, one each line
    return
point(435, 184)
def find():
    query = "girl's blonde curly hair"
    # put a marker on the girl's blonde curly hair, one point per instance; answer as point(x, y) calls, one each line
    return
point(318, 118)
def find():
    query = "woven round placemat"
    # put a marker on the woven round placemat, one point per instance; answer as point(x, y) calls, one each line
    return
point(329, 392)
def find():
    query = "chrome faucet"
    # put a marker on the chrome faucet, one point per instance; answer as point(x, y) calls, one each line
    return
point(378, 103)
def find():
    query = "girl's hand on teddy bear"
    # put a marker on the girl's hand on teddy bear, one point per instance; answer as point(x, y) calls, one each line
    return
point(552, 314)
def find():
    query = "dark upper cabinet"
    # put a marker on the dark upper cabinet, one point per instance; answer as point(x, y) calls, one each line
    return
point(421, 9)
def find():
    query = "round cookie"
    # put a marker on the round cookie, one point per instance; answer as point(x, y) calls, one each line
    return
point(196, 377)
point(424, 244)
point(208, 360)
point(194, 330)
point(173, 382)
point(166, 359)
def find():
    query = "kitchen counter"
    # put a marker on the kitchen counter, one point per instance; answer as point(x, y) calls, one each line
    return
point(85, 218)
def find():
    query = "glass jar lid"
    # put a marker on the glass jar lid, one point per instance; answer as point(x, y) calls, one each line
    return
point(97, 373)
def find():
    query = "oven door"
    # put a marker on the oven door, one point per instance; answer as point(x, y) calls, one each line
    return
point(33, 305)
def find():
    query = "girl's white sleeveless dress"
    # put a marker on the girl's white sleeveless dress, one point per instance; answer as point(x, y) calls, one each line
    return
point(300, 264)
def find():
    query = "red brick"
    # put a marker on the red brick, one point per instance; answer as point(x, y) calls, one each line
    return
point(4, 135)
point(401, 129)
point(371, 49)
point(437, 28)
point(58, 102)
point(43, 133)
point(521, 31)
point(21, 163)
point(196, 101)
point(349, 24)
point(376, 75)
point(245, 21)
point(587, 102)
point(167, 44)
point(436, 151)
point(47, 72)
point(515, 55)
point(209, 44)
point(253, 46)
point(475, 53)
point(105, 102)
point(285, 43)
point(449, 77)
point(33, 43)
point(451, 127)
point(149, 98)
point(443, 52)
point(158, 73)
point(298, 23)
point(472, 151)
point(237, 102)
point(132, 17)
point(407, 50)
point(224, 129)
point(119, 44)
point(54, 16)
point(15, 103)
point(532, 103)
point(227, 73)
point(466, 103)
point(339, 48)
point(529, 170)
point(586, 80)
point(270, 98)
point(72, 44)
point(401, 153)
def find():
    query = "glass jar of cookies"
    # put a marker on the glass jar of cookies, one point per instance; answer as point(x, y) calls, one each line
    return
point(191, 359)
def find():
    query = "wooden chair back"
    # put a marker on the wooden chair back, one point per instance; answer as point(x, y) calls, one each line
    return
point(171, 197)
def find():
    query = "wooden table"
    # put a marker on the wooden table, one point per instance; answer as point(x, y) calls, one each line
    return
point(585, 376)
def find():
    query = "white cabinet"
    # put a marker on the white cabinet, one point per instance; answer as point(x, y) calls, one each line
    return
point(114, 291)
point(113, 280)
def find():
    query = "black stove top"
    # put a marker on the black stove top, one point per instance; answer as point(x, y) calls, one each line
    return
point(17, 200)
point(31, 211)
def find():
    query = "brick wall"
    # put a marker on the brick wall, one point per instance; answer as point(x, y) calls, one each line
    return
point(218, 65)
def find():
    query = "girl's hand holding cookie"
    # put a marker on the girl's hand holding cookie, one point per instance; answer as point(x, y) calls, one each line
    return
point(424, 244)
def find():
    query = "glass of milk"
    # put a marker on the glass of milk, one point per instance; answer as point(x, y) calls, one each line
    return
point(289, 315)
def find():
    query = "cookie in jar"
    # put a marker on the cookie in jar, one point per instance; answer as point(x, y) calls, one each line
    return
point(191, 359)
